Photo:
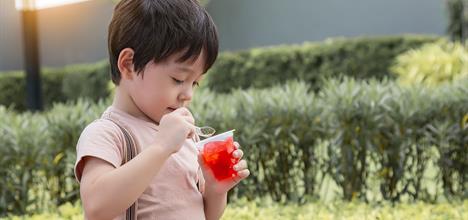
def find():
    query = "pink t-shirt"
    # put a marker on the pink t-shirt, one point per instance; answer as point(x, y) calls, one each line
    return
point(173, 193)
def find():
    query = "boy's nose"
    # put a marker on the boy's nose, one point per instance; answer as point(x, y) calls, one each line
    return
point(186, 95)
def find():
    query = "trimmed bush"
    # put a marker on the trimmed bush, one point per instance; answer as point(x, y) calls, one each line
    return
point(360, 58)
point(58, 85)
point(373, 140)
point(13, 87)
point(93, 84)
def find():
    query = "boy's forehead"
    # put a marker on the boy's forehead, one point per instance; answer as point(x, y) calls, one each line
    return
point(192, 65)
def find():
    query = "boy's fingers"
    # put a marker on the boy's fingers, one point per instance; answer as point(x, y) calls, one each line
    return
point(190, 135)
point(189, 119)
point(241, 175)
point(242, 165)
point(201, 162)
point(236, 144)
point(184, 111)
point(238, 154)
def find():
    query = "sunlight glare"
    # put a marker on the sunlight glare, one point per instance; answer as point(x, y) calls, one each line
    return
point(41, 4)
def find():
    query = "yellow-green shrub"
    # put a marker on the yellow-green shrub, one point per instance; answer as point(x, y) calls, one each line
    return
point(433, 64)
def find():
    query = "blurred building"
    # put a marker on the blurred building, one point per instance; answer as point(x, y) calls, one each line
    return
point(77, 33)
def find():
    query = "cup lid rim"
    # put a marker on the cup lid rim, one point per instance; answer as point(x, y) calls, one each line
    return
point(216, 137)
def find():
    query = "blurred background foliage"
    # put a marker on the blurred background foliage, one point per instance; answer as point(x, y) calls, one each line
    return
point(368, 140)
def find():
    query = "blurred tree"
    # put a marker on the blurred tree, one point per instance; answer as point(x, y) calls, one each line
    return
point(458, 19)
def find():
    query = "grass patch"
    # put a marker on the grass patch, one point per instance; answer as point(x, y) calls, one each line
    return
point(268, 210)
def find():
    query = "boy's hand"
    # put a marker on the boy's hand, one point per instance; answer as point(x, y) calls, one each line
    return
point(213, 186)
point(175, 128)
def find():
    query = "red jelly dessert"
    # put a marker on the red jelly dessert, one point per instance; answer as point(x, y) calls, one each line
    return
point(217, 155)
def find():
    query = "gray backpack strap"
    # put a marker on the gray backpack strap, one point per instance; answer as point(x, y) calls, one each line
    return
point(130, 151)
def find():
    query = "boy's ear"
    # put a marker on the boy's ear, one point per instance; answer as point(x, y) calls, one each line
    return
point(125, 63)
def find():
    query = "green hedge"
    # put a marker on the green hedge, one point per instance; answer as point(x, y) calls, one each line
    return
point(375, 140)
point(366, 140)
point(58, 85)
point(360, 58)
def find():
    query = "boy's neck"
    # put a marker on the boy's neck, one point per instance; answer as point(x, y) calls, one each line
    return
point(123, 102)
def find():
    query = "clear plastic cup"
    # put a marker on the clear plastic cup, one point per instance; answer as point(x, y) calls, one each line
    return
point(217, 152)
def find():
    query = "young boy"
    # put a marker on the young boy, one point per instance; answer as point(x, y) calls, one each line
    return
point(159, 51)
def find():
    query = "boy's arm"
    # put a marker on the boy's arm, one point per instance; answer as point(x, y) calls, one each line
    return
point(214, 191)
point(107, 191)
point(214, 205)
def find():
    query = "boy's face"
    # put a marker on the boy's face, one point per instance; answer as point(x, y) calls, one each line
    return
point(165, 86)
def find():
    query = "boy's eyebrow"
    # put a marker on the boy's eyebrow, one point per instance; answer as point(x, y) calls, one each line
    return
point(186, 69)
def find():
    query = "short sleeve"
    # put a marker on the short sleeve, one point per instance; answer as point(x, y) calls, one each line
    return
point(101, 139)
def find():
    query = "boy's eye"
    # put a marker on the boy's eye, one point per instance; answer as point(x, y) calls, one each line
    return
point(178, 81)
point(196, 84)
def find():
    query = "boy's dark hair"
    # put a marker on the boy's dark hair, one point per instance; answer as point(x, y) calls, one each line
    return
point(157, 29)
